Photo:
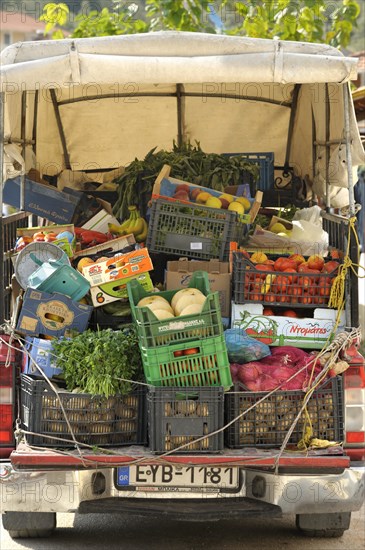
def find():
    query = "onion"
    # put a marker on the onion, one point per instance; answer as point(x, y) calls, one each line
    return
point(283, 373)
point(248, 371)
point(254, 385)
point(234, 367)
point(267, 383)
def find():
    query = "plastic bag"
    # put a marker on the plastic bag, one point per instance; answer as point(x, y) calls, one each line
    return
point(242, 348)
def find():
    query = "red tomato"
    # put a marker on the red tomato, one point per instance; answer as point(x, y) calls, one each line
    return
point(268, 311)
point(191, 351)
point(178, 353)
point(316, 262)
point(290, 313)
point(330, 266)
point(297, 258)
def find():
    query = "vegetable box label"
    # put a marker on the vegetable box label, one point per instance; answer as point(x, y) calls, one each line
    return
point(119, 267)
point(276, 330)
point(52, 315)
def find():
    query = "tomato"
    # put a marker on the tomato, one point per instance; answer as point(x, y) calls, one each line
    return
point(268, 311)
point(284, 263)
point(335, 254)
point(290, 313)
point(330, 266)
point(280, 284)
point(269, 262)
point(292, 279)
point(191, 351)
point(297, 258)
point(178, 353)
point(316, 262)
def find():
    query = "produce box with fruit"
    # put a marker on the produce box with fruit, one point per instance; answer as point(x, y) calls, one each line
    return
point(282, 280)
point(61, 235)
point(176, 316)
point(287, 326)
point(175, 189)
point(107, 293)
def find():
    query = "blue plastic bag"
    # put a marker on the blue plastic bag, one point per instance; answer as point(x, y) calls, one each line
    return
point(242, 348)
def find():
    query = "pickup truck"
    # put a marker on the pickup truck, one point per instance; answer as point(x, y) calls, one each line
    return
point(98, 103)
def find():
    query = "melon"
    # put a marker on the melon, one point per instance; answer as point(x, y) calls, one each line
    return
point(188, 299)
point(150, 299)
point(162, 314)
point(191, 309)
point(160, 304)
point(182, 292)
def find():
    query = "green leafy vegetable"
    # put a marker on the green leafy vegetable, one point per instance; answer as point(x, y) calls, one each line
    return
point(93, 361)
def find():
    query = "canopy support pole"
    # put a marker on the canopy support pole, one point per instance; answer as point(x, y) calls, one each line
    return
point(180, 135)
point(35, 122)
point(60, 129)
point(327, 124)
point(23, 142)
point(293, 112)
point(2, 257)
point(348, 150)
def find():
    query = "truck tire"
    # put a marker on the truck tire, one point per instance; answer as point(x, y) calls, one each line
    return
point(26, 525)
point(323, 525)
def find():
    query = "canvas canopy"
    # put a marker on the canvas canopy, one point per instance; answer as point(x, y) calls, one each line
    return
point(98, 103)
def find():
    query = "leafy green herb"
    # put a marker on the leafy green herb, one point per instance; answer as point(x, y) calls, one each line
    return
point(188, 163)
point(93, 361)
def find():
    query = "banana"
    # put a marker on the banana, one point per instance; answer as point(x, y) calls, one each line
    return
point(141, 237)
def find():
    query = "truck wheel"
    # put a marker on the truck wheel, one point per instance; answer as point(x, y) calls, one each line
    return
point(26, 525)
point(323, 525)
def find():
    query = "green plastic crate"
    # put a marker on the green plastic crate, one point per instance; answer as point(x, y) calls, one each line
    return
point(153, 332)
point(207, 366)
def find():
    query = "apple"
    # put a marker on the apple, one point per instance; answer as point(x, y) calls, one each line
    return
point(182, 187)
point(194, 192)
point(181, 196)
point(39, 236)
point(224, 203)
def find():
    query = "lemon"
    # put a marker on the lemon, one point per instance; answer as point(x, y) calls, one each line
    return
point(278, 228)
point(245, 203)
point(237, 207)
point(213, 202)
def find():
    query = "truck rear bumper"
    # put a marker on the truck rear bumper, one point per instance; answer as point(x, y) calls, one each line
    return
point(94, 490)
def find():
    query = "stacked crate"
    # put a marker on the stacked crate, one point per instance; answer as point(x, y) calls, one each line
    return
point(186, 359)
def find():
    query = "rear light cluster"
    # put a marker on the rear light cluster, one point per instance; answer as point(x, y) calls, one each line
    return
point(354, 396)
point(9, 362)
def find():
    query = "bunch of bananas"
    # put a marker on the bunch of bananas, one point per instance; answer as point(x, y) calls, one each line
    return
point(134, 224)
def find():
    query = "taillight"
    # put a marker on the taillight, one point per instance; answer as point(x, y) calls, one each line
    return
point(9, 358)
point(354, 395)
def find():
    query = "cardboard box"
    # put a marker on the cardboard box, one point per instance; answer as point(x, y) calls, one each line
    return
point(105, 249)
point(51, 315)
point(310, 332)
point(179, 273)
point(39, 351)
point(99, 222)
point(119, 267)
point(115, 290)
point(68, 247)
point(43, 200)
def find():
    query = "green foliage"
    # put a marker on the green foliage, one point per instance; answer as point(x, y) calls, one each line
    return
point(304, 20)
point(94, 361)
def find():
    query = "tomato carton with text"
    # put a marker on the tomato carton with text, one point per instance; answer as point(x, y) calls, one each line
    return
point(287, 326)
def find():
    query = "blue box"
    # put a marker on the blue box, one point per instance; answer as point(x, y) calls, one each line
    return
point(43, 200)
point(52, 315)
point(41, 352)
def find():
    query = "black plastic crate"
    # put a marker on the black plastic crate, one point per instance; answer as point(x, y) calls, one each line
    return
point(101, 320)
point(252, 284)
point(191, 230)
point(265, 163)
point(177, 416)
point(95, 420)
point(267, 424)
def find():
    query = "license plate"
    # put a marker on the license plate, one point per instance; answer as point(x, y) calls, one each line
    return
point(164, 475)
